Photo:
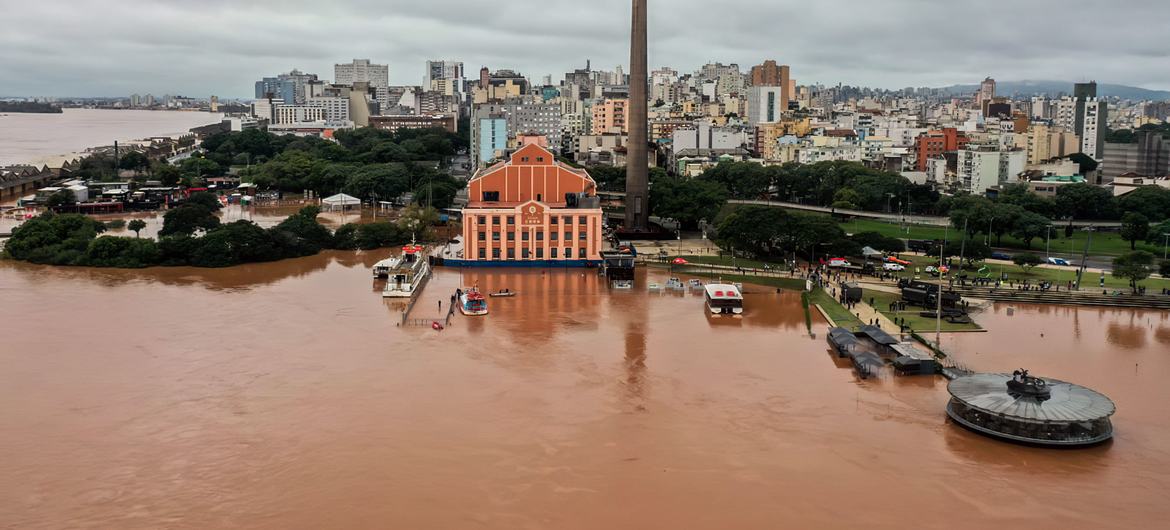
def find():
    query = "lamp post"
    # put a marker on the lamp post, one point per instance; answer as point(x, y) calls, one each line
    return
point(1048, 244)
point(989, 223)
point(1166, 249)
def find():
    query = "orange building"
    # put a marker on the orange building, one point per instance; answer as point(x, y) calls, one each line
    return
point(532, 211)
point(609, 116)
point(936, 144)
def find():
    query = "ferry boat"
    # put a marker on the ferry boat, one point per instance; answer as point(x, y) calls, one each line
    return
point(472, 303)
point(406, 274)
point(723, 299)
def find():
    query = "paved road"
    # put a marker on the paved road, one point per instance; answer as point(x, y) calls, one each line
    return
point(930, 220)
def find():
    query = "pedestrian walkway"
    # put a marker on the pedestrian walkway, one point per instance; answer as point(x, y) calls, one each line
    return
point(867, 314)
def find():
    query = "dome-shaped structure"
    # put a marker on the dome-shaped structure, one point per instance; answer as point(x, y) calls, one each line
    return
point(1022, 408)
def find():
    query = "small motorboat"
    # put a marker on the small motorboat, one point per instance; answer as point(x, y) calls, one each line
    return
point(655, 288)
point(696, 284)
point(506, 293)
point(623, 285)
point(675, 284)
point(472, 303)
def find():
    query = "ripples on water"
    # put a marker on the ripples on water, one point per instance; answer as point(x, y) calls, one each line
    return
point(284, 395)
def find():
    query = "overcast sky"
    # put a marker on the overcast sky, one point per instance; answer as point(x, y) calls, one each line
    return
point(221, 47)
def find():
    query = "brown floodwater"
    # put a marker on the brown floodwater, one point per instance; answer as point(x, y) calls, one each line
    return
point(285, 395)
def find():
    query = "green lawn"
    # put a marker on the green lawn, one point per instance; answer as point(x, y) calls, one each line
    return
point(915, 321)
point(1061, 277)
point(841, 316)
point(1103, 244)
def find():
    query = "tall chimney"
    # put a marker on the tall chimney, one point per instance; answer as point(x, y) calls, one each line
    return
point(637, 178)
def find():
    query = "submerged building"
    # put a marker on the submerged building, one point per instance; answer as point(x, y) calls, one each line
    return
point(532, 211)
point(1021, 408)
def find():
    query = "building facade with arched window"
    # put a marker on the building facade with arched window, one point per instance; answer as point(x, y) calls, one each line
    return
point(532, 211)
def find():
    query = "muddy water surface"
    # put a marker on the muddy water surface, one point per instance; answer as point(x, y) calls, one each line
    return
point(286, 395)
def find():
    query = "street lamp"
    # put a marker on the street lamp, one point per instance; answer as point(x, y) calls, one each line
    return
point(1166, 249)
point(989, 222)
point(1048, 244)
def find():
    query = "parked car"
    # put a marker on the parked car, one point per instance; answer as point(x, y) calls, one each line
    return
point(1001, 255)
point(893, 267)
point(1058, 261)
point(839, 262)
point(935, 271)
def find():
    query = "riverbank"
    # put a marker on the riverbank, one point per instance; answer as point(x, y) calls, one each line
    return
point(50, 139)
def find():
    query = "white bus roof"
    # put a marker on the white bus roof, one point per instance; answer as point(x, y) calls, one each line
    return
point(723, 291)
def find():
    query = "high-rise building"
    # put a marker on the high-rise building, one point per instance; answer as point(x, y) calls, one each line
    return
point(770, 74)
point(520, 118)
point(984, 166)
point(361, 71)
point(985, 93)
point(766, 104)
point(610, 116)
point(938, 144)
point(289, 88)
point(449, 71)
point(375, 76)
point(1148, 156)
point(1091, 119)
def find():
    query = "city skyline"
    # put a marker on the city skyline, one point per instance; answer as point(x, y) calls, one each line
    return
point(141, 47)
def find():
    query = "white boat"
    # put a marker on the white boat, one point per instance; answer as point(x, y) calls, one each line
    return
point(724, 299)
point(472, 303)
point(406, 274)
point(675, 284)
point(655, 288)
point(623, 284)
point(696, 284)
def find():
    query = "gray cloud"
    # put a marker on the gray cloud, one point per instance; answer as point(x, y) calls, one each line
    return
point(116, 47)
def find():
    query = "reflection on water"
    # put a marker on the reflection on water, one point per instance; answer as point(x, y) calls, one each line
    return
point(286, 395)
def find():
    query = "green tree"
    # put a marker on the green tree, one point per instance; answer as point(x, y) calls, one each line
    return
point(1084, 201)
point(687, 200)
point(61, 198)
point(386, 182)
point(187, 219)
point(1027, 261)
point(167, 174)
point(136, 226)
point(1021, 195)
point(134, 161)
point(754, 229)
point(974, 250)
point(846, 199)
point(1150, 201)
point(1134, 227)
point(122, 252)
point(1134, 266)
point(1164, 268)
point(1028, 226)
point(195, 168)
point(205, 199)
point(743, 180)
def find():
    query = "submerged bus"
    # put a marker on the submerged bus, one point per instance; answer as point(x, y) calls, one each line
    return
point(724, 299)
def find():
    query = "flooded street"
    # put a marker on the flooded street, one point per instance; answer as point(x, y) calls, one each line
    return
point(285, 395)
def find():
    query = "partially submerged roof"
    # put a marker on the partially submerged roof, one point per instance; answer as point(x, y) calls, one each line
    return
point(877, 335)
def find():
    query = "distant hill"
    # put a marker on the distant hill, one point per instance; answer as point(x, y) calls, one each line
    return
point(1056, 88)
